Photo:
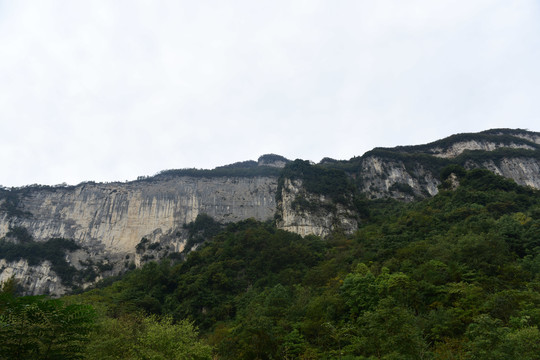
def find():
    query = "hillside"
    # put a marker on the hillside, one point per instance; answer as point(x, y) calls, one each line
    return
point(104, 230)
point(408, 172)
point(454, 276)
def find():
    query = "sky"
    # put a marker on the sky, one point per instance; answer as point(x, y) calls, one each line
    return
point(110, 90)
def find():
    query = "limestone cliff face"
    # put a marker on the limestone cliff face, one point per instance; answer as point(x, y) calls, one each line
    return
point(458, 148)
point(413, 171)
point(524, 171)
point(109, 220)
point(533, 137)
point(391, 178)
point(116, 216)
point(382, 177)
point(314, 215)
point(38, 279)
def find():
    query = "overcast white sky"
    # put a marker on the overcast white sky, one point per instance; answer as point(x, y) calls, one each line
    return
point(110, 90)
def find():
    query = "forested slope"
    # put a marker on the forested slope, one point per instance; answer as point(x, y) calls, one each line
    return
point(92, 231)
point(456, 276)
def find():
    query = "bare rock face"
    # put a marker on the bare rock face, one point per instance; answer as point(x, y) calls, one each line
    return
point(272, 160)
point(122, 225)
point(524, 171)
point(391, 178)
point(38, 279)
point(309, 214)
point(109, 220)
point(411, 172)
point(458, 148)
point(533, 137)
point(116, 216)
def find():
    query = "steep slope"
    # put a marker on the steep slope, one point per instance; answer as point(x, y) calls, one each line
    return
point(314, 200)
point(121, 225)
point(452, 276)
point(116, 216)
point(109, 221)
point(406, 172)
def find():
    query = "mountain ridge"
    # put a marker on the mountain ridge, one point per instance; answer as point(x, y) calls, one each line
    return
point(119, 225)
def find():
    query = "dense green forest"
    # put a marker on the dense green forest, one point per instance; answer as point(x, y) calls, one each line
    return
point(455, 276)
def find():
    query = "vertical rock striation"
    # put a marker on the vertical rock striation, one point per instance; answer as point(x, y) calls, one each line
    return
point(110, 221)
point(116, 216)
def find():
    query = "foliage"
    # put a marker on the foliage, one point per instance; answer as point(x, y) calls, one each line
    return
point(456, 276)
point(269, 158)
point(204, 227)
point(240, 165)
point(10, 286)
point(10, 204)
point(402, 187)
point(497, 136)
point(319, 180)
point(20, 234)
point(164, 340)
point(203, 287)
point(137, 337)
point(34, 327)
point(141, 246)
point(419, 159)
point(225, 171)
point(455, 169)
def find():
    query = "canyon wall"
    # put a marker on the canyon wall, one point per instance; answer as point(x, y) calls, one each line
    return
point(108, 221)
point(111, 222)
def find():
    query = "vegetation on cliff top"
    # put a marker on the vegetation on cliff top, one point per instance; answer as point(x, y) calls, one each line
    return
point(497, 136)
point(334, 184)
point(248, 168)
point(420, 156)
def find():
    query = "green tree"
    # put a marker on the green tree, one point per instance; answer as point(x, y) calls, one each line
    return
point(164, 340)
point(34, 327)
point(136, 337)
point(10, 286)
point(388, 332)
point(361, 290)
point(490, 339)
point(523, 344)
point(114, 338)
point(294, 344)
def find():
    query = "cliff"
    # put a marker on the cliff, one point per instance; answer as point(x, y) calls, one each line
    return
point(108, 221)
point(120, 225)
point(116, 216)
point(306, 213)
point(409, 172)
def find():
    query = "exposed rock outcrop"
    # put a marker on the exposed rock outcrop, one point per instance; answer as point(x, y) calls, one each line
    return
point(309, 214)
point(391, 178)
point(408, 172)
point(122, 225)
point(272, 160)
point(524, 171)
point(458, 148)
point(116, 216)
point(38, 279)
point(109, 220)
